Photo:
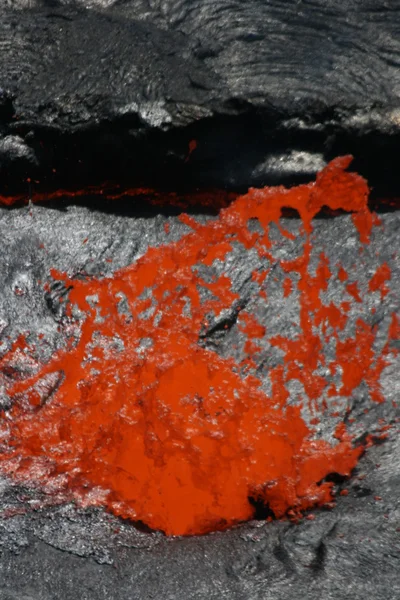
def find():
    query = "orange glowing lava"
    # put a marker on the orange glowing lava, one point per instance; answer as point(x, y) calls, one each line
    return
point(138, 417)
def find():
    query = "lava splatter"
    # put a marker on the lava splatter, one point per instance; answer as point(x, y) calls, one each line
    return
point(134, 414)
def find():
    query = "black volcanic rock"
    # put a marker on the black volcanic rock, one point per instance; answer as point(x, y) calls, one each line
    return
point(269, 90)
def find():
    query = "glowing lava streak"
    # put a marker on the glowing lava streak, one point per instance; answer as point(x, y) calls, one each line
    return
point(135, 415)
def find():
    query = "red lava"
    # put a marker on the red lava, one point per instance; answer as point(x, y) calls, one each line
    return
point(136, 416)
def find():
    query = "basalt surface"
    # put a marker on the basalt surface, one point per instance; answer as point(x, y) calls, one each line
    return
point(185, 94)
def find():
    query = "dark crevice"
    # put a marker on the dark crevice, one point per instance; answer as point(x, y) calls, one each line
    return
point(224, 325)
point(141, 205)
point(367, 439)
point(142, 527)
point(318, 563)
point(282, 555)
point(233, 152)
point(55, 299)
point(262, 511)
point(361, 491)
point(335, 478)
point(148, 205)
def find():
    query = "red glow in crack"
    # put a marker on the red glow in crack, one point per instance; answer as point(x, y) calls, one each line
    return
point(138, 417)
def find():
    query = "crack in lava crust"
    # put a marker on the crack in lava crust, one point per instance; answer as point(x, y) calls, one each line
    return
point(136, 416)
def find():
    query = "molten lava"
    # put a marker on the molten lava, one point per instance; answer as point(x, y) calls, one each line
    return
point(135, 415)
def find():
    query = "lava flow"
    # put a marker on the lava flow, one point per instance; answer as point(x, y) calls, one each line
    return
point(135, 415)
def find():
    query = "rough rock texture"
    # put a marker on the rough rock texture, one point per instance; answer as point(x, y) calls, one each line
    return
point(61, 552)
point(269, 90)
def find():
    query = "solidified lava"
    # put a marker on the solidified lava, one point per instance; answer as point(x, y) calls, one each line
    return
point(135, 415)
